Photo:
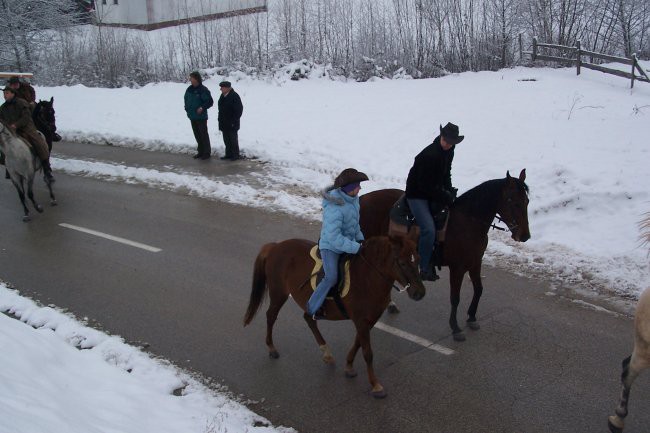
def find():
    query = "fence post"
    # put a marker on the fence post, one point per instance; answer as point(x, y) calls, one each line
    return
point(634, 62)
point(521, 50)
point(578, 57)
point(534, 48)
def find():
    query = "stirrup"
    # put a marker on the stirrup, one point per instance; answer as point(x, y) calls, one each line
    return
point(429, 275)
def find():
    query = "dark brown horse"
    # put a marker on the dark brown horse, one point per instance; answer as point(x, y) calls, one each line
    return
point(45, 120)
point(470, 218)
point(285, 269)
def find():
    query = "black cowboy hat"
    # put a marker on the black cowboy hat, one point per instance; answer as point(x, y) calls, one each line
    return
point(348, 176)
point(225, 84)
point(13, 80)
point(450, 132)
point(9, 89)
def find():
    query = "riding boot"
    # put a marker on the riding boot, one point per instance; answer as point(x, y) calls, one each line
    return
point(47, 171)
point(428, 273)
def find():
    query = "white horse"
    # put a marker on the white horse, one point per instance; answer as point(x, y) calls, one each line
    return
point(640, 358)
point(21, 165)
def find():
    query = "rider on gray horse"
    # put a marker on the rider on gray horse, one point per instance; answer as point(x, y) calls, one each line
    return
point(16, 114)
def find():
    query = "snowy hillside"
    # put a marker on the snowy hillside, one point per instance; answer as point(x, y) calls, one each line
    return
point(583, 141)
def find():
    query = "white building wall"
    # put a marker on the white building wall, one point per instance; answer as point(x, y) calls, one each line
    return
point(151, 12)
point(125, 12)
point(169, 10)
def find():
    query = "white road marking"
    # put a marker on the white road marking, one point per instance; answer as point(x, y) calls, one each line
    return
point(112, 238)
point(415, 339)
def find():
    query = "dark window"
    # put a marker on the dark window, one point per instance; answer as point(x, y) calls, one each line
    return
point(103, 2)
point(114, 2)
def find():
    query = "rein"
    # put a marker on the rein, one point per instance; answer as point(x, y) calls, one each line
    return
point(384, 276)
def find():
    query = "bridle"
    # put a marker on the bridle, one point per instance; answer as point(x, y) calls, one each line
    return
point(511, 227)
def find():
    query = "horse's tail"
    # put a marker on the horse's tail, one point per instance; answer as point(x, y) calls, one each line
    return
point(259, 284)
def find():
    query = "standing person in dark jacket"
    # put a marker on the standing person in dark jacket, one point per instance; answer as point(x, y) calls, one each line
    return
point(429, 186)
point(197, 101)
point(230, 110)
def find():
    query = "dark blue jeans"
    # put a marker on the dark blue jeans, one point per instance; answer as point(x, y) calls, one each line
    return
point(423, 218)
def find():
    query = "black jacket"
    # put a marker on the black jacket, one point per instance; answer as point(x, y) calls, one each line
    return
point(430, 176)
point(230, 110)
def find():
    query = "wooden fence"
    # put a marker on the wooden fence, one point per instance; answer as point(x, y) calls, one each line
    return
point(574, 55)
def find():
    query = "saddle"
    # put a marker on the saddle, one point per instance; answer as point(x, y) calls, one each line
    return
point(401, 220)
point(342, 287)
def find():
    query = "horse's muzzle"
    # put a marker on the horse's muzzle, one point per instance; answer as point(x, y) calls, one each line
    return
point(521, 237)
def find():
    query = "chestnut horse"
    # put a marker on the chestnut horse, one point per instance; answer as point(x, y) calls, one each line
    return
point(285, 268)
point(470, 219)
point(640, 358)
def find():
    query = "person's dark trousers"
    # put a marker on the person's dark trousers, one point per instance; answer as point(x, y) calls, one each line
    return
point(231, 140)
point(200, 129)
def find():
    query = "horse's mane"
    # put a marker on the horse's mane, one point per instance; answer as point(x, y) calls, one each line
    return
point(8, 129)
point(644, 225)
point(481, 198)
point(377, 245)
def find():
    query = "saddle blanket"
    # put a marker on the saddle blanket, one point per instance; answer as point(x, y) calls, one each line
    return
point(318, 273)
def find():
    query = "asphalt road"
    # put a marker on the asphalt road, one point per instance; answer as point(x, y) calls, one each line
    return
point(541, 362)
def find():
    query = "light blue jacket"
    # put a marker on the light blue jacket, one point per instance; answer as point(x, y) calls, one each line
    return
point(341, 232)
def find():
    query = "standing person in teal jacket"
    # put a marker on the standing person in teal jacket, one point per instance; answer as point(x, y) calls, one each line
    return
point(340, 233)
point(197, 101)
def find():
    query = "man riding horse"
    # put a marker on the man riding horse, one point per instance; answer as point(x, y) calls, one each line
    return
point(16, 114)
point(428, 190)
point(25, 91)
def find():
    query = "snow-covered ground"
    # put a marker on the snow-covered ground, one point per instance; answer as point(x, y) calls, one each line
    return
point(59, 376)
point(583, 141)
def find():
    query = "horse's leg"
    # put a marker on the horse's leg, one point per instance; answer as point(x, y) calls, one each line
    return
point(328, 358)
point(52, 198)
point(455, 282)
point(475, 276)
point(30, 194)
point(632, 366)
point(349, 361)
point(363, 334)
point(276, 301)
point(21, 193)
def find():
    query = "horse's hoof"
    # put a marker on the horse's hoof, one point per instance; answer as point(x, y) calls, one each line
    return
point(273, 354)
point(474, 326)
point(27, 218)
point(459, 336)
point(379, 393)
point(392, 308)
point(329, 359)
point(351, 373)
point(611, 423)
point(53, 203)
point(39, 208)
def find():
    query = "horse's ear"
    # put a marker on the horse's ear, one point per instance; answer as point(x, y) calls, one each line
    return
point(522, 175)
point(508, 174)
point(52, 100)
